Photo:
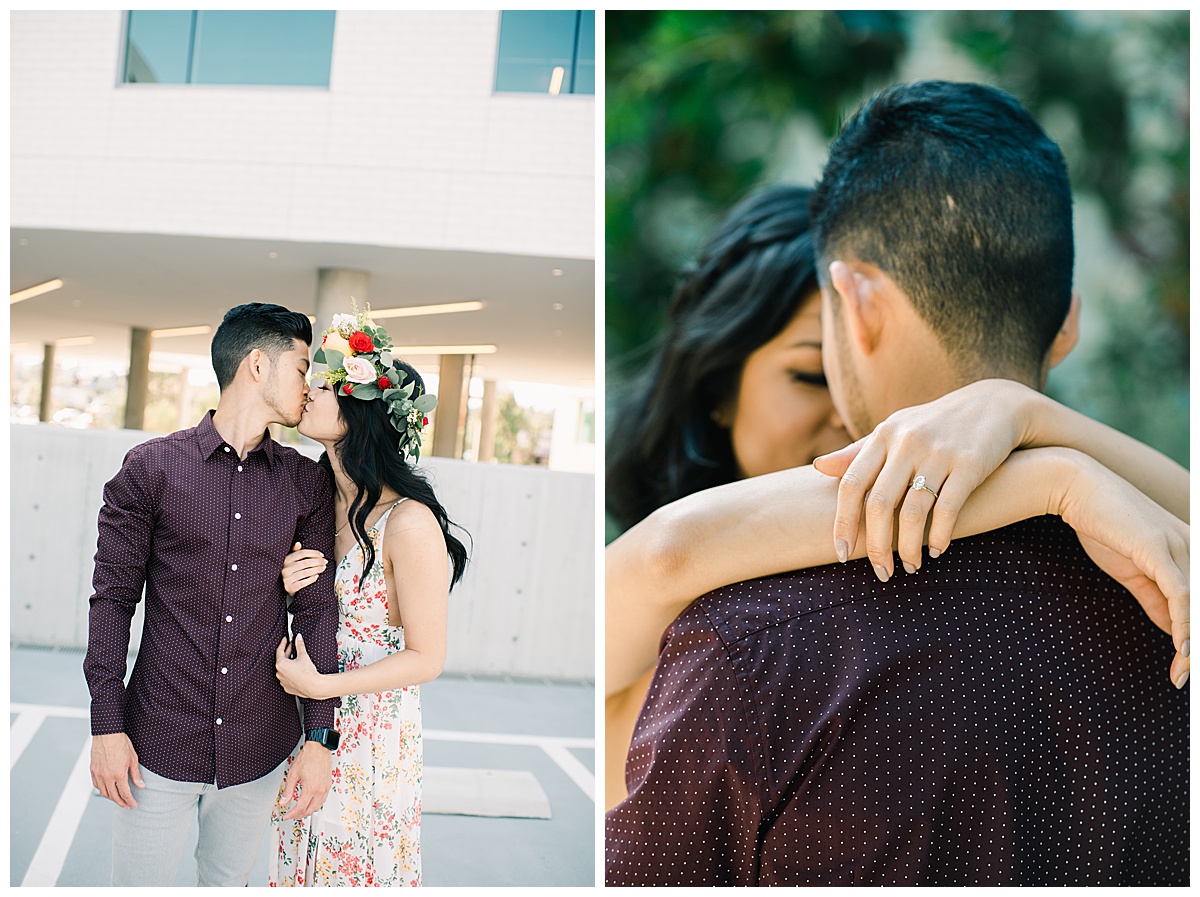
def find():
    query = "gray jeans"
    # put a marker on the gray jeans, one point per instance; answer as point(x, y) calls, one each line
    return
point(148, 841)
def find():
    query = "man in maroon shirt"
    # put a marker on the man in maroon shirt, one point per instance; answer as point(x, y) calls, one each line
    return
point(202, 519)
point(995, 719)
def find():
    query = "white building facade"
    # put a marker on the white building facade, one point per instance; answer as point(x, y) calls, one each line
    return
point(411, 159)
point(412, 176)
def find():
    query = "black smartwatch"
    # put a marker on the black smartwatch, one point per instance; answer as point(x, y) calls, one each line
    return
point(327, 738)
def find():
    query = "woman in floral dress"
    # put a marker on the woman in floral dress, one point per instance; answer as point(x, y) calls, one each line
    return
point(392, 583)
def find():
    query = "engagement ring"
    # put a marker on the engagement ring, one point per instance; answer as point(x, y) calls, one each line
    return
point(918, 484)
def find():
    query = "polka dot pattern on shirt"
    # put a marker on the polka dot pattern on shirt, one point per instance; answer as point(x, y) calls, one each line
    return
point(1001, 717)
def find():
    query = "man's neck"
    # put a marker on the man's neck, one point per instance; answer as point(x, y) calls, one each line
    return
point(907, 391)
point(240, 422)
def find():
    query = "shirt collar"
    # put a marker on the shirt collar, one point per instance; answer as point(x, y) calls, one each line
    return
point(210, 440)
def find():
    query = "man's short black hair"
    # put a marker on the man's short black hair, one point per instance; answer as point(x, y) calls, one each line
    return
point(956, 192)
point(255, 325)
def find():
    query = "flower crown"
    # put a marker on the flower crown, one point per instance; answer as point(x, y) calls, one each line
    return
point(357, 352)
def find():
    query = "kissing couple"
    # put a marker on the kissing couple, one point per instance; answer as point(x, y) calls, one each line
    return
point(228, 532)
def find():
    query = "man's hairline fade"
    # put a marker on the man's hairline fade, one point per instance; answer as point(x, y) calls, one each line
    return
point(913, 126)
point(278, 331)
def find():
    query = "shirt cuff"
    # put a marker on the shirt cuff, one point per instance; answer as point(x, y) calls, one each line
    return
point(320, 714)
point(107, 719)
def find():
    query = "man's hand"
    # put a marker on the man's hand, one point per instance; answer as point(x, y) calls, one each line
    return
point(308, 781)
point(114, 763)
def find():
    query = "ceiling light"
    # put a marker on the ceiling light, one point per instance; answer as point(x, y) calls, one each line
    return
point(556, 79)
point(413, 311)
point(557, 272)
point(182, 331)
point(48, 287)
point(443, 350)
point(557, 306)
point(75, 341)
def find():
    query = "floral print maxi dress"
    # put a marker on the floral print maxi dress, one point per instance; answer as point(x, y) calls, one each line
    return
point(368, 831)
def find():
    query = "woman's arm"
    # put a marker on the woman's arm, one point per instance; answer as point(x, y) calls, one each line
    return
point(414, 551)
point(1149, 471)
point(621, 711)
point(781, 521)
point(955, 442)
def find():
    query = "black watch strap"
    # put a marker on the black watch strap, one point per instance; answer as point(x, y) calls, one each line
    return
point(326, 737)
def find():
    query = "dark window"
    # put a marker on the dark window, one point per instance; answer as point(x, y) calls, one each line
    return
point(547, 51)
point(224, 47)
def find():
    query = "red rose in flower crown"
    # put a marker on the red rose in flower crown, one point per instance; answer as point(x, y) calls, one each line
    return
point(357, 353)
point(361, 343)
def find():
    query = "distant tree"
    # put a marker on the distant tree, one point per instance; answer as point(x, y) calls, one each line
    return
point(699, 104)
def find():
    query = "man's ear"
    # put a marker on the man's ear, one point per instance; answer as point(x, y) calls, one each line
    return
point(1067, 336)
point(256, 364)
point(860, 306)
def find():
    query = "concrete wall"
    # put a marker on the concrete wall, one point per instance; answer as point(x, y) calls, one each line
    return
point(409, 122)
point(526, 606)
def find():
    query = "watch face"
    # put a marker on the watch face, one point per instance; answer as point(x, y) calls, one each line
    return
point(327, 737)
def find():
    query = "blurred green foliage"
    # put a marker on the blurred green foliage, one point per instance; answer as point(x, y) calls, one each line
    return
point(701, 107)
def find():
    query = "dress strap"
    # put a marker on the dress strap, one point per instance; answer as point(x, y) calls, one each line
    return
point(384, 516)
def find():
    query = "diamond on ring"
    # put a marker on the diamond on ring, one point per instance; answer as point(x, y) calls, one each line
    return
point(918, 484)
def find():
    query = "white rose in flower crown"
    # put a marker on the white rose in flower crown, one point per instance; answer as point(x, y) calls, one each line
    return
point(344, 324)
point(359, 370)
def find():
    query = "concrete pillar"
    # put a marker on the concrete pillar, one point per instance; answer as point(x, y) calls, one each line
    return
point(44, 409)
point(335, 288)
point(139, 378)
point(185, 400)
point(452, 406)
point(489, 415)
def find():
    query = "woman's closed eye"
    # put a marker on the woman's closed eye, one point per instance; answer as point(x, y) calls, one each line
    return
point(808, 377)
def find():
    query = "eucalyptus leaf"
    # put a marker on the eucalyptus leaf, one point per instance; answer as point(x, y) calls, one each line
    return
point(386, 357)
point(366, 391)
point(334, 358)
point(319, 356)
point(425, 403)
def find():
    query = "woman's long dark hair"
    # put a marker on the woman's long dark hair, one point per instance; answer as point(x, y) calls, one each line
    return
point(748, 282)
point(369, 457)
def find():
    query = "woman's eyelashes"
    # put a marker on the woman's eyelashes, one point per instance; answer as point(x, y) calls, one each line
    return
point(808, 377)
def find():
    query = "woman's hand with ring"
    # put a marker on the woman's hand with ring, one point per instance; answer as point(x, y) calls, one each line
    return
point(954, 442)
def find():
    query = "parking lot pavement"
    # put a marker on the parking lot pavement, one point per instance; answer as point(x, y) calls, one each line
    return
point(60, 828)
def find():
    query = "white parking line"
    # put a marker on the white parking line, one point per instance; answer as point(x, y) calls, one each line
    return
point(51, 710)
point(555, 746)
point(56, 841)
point(506, 738)
point(580, 774)
point(23, 728)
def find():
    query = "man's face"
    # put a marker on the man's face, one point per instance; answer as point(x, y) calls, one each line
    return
point(285, 390)
point(838, 359)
